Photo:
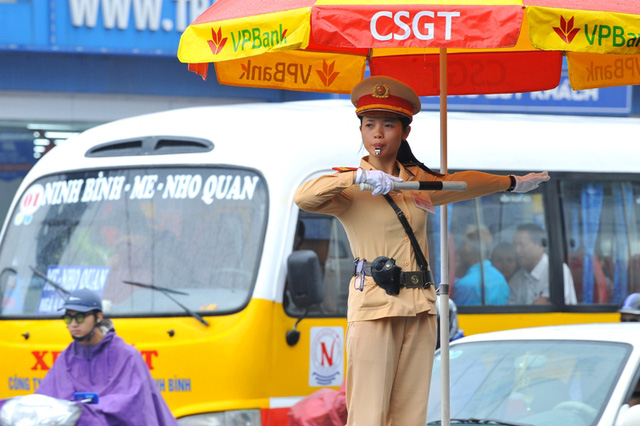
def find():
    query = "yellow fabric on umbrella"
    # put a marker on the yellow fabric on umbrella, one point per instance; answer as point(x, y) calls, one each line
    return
point(586, 31)
point(591, 70)
point(307, 71)
point(240, 38)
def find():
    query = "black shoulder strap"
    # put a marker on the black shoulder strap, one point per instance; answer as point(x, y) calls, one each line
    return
point(422, 261)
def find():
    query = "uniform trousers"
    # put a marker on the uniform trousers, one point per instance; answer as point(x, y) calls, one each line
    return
point(389, 363)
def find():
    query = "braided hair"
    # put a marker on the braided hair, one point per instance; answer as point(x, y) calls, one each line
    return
point(405, 155)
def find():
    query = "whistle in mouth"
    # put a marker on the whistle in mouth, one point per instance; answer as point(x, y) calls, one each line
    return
point(377, 151)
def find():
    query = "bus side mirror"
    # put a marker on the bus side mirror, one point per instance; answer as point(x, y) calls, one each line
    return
point(305, 278)
point(305, 285)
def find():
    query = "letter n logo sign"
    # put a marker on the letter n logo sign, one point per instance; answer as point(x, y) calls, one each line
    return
point(326, 356)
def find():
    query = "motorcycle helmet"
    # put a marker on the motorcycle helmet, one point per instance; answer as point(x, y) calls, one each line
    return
point(631, 304)
point(83, 301)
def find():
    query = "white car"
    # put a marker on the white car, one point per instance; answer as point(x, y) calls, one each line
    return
point(570, 375)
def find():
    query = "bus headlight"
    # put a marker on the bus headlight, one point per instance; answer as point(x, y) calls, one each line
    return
point(223, 418)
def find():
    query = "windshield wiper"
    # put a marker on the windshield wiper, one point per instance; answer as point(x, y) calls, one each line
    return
point(166, 292)
point(57, 286)
point(472, 421)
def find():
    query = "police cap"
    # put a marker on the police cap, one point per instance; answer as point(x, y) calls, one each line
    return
point(385, 94)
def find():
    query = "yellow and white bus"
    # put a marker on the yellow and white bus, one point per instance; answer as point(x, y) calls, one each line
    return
point(184, 222)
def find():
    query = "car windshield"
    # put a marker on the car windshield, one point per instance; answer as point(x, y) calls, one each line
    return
point(529, 382)
point(150, 241)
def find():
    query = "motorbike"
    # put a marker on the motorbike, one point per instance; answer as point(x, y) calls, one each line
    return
point(40, 410)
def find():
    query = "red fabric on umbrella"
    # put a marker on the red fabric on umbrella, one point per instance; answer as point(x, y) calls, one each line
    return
point(234, 9)
point(489, 73)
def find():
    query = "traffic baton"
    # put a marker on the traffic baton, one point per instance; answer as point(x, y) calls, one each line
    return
point(421, 186)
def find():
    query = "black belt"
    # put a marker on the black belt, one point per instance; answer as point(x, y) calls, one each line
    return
point(408, 279)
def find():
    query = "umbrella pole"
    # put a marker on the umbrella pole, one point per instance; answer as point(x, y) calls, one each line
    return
point(443, 289)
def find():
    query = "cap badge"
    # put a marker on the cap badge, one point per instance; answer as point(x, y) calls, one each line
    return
point(380, 91)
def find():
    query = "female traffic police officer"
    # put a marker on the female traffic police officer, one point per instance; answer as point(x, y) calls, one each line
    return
point(391, 338)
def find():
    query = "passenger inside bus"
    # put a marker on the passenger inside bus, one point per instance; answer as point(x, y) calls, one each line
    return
point(530, 283)
point(482, 283)
point(142, 254)
point(503, 258)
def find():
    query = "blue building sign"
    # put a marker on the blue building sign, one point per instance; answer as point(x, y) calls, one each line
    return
point(561, 100)
point(140, 27)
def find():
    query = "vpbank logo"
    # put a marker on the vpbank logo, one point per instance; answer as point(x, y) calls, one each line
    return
point(327, 74)
point(566, 31)
point(217, 42)
point(289, 73)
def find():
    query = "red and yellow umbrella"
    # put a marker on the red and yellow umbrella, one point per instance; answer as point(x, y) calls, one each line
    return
point(500, 46)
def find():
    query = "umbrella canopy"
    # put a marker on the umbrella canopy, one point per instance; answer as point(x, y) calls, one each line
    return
point(502, 46)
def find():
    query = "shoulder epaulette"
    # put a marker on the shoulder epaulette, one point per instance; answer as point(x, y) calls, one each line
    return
point(345, 169)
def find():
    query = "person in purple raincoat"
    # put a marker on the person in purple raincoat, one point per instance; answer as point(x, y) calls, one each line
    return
point(100, 361)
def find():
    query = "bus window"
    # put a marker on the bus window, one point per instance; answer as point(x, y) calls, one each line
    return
point(498, 252)
point(601, 225)
point(141, 238)
point(325, 235)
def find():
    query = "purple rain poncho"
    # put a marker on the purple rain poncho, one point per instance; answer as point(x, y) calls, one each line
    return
point(117, 373)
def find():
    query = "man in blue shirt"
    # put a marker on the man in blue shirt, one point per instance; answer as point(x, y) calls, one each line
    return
point(482, 284)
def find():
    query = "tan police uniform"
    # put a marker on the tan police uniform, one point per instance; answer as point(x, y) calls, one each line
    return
point(390, 338)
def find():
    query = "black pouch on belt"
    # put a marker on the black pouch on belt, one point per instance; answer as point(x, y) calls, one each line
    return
point(386, 274)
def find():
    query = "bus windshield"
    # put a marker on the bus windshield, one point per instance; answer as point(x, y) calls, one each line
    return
point(150, 241)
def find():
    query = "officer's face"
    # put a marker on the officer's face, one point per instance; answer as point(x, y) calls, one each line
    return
point(383, 133)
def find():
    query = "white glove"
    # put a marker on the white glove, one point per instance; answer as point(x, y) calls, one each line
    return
point(381, 181)
point(531, 181)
